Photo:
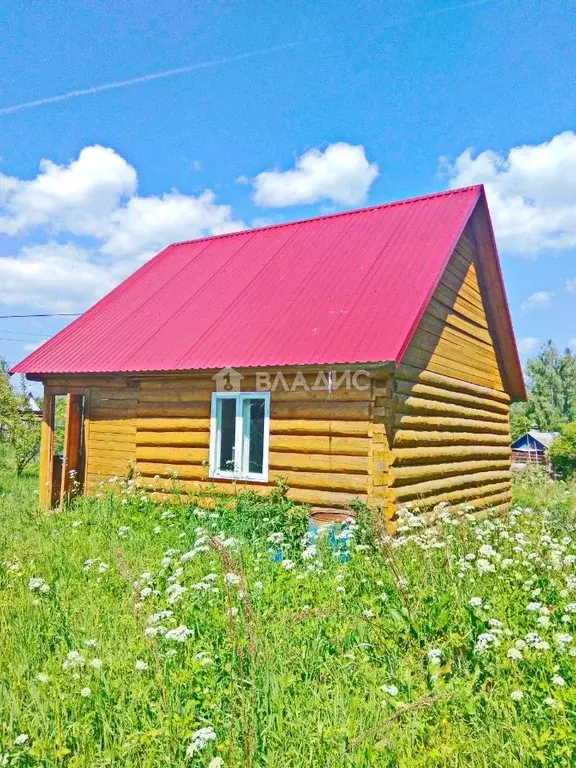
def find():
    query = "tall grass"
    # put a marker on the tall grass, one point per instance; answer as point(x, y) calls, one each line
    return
point(281, 649)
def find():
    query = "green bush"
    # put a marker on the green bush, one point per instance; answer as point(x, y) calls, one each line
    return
point(563, 451)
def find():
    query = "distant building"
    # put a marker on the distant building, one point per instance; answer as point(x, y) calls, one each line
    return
point(532, 448)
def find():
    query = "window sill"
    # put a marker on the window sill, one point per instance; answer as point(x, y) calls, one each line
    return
point(238, 478)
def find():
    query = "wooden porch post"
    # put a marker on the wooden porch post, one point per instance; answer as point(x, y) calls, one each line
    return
point(46, 452)
point(72, 442)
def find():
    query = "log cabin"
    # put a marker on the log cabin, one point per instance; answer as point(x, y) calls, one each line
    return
point(365, 355)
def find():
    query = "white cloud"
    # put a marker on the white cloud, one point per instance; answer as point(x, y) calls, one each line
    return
point(528, 344)
point(110, 230)
point(531, 192)
point(341, 174)
point(571, 285)
point(77, 197)
point(150, 223)
point(537, 300)
point(59, 278)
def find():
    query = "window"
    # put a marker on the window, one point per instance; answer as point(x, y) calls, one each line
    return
point(239, 430)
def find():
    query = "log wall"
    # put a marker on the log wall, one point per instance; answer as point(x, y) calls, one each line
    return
point(159, 426)
point(449, 419)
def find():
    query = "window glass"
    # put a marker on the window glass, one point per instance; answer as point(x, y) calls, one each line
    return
point(227, 431)
point(254, 435)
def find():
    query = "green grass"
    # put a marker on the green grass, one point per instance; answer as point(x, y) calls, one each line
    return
point(287, 666)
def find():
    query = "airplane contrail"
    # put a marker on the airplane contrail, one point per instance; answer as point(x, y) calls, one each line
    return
point(142, 79)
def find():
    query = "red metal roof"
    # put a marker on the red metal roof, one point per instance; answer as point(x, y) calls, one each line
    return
point(345, 288)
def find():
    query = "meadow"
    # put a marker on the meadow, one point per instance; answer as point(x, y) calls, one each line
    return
point(140, 634)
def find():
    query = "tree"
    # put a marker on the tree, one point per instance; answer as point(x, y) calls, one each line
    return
point(563, 452)
point(551, 380)
point(19, 426)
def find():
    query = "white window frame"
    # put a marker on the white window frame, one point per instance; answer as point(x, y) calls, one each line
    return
point(237, 473)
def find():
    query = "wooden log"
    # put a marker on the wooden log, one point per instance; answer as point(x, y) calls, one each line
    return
point(487, 496)
point(411, 373)
point(441, 393)
point(168, 424)
point(190, 439)
point(429, 423)
point(448, 318)
point(320, 481)
point(319, 427)
point(112, 414)
point(174, 410)
point(411, 475)
point(444, 366)
point(172, 396)
point(84, 381)
point(419, 405)
point(316, 462)
point(113, 427)
point(342, 446)
point(406, 437)
point(150, 469)
point(46, 453)
point(114, 396)
point(451, 453)
point(171, 456)
point(352, 411)
point(430, 487)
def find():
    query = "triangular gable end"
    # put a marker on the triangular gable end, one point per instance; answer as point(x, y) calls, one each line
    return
point(465, 330)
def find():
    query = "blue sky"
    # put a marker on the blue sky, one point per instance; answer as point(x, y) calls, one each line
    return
point(294, 109)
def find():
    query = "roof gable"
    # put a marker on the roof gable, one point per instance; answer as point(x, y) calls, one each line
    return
point(345, 288)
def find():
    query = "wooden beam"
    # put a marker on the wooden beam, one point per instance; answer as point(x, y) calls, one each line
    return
point(46, 452)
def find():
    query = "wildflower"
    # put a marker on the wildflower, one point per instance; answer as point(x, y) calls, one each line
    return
point(562, 639)
point(534, 607)
point(368, 614)
point(517, 695)
point(21, 739)
point(153, 631)
point(86, 693)
point(559, 681)
point(384, 597)
point(38, 584)
point(391, 690)
point(200, 739)
point(145, 592)
point(156, 530)
point(174, 592)
point(485, 641)
point(231, 579)
point(73, 659)
point(544, 621)
point(232, 611)
point(90, 643)
point(42, 677)
point(340, 589)
point(476, 602)
point(103, 567)
point(434, 656)
point(258, 585)
point(140, 665)
point(550, 701)
point(204, 658)
point(310, 552)
point(160, 616)
point(123, 531)
point(484, 566)
point(216, 762)
point(96, 663)
point(179, 634)
point(514, 653)
point(288, 564)
point(276, 538)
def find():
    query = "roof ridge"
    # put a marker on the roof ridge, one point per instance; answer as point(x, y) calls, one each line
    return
point(391, 204)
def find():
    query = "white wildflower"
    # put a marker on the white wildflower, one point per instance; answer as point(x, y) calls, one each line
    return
point(21, 739)
point(42, 677)
point(200, 739)
point(288, 565)
point(559, 681)
point(96, 663)
point(391, 690)
point(475, 602)
point(37, 583)
point(514, 653)
point(434, 656)
point(517, 695)
point(309, 552)
point(73, 660)
point(103, 567)
point(123, 531)
point(179, 634)
point(140, 665)
point(86, 693)
point(231, 579)
point(368, 614)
